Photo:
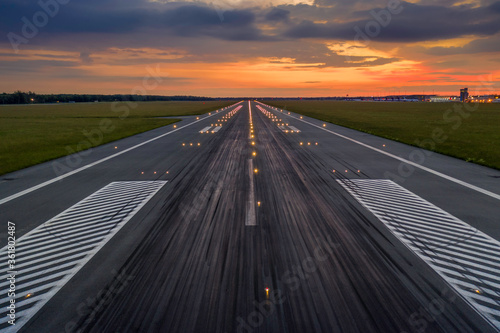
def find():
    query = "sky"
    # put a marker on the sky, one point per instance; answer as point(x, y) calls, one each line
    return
point(233, 48)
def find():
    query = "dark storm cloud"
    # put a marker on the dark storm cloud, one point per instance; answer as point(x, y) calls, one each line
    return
point(415, 22)
point(277, 14)
point(495, 7)
point(180, 19)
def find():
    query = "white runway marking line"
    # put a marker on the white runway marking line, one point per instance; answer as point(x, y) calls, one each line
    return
point(437, 173)
point(51, 254)
point(218, 128)
point(465, 257)
point(295, 129)
point(56, 179)
point(206, 129)
point(251, 219)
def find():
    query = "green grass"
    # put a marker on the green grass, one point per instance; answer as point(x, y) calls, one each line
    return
point(31, 134)
point(474, 138)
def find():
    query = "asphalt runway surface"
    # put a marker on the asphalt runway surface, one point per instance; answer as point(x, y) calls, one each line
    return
point(268, 223)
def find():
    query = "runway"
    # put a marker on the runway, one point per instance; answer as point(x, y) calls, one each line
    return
point(253, 219)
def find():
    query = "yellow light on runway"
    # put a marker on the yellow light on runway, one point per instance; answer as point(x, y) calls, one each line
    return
point(183, 144)
point(175, 126)
point(253, 143)
point(300, 117)
point(301, 143)
point(258, 203)
point(254, 154)
point(28, 295)
point(308, 143)
point(199, 144)
point(324, 125)
point(116, 147)
point(267, 292)
point(191, 144)
point(255, 170)
point(197, 118)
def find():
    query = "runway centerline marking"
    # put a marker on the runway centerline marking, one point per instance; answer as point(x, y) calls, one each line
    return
point(251, 218)
point(437, 173)
point(56, 179)
point(60, 241)
point(466, 258)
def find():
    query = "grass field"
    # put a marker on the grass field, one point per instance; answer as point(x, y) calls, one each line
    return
point(470, 132)
point(31, 134)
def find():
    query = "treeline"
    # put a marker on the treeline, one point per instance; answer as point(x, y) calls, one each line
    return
point(20, 97)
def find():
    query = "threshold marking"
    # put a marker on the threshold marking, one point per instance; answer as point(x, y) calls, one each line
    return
point(56, 179)
point(50, 255)
point(437, 173)
point(463, 256)
point(206, 129)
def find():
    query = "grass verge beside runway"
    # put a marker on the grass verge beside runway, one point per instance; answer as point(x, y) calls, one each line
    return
point(32, 134)
point(470, 132)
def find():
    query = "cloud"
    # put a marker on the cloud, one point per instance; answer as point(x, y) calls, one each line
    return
point(414, 23)
point(278, 14)
point(483, 45)
point(327, 19)
point(85, 58)
point(161, 20)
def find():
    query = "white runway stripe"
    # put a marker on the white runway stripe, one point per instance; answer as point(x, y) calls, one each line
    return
point(462, 255)
point(48, 256)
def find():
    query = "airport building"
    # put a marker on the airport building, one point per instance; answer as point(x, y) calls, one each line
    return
point(464, 95)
